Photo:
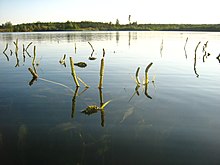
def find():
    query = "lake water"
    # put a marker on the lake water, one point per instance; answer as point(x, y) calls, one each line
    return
point(173, 120)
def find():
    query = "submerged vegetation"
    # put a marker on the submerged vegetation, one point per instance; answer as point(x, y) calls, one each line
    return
point(101, 26)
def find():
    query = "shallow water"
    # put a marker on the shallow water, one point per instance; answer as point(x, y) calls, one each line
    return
point(176, 122)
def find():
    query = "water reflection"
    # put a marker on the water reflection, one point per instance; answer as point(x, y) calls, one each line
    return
point(218, 58)
point(135, 92)
point(146, 91)
point(129, 39)
point(161, 48)
point(17, 60)
point(6, 56)
point(92, 109)
point(50, 132)
point(117, 37)
point(74, 102)
point(185, 47)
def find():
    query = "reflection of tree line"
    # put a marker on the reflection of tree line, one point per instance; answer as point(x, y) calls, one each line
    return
point(131, 36)
point(84, 36)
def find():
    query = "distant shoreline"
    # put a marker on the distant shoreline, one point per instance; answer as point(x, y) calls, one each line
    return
point(100, 26)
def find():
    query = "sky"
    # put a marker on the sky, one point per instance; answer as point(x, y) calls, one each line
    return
point(141, 11)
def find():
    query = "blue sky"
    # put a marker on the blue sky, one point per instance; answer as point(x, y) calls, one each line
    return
point(142, 11)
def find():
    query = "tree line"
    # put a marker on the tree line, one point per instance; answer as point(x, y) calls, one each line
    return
point(100, 26)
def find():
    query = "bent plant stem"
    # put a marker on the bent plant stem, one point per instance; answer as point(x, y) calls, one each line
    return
point(28, 46)
point(16, 46)
point(56, 83)
point(136, 76)
point(6, 56)
point(91, 47)
point(6, 47)
point(146, 73)
point(34, 74)
point(73, 72)
point(86, 86)
point(146, 91)
point(197, 75)
point(91, 58)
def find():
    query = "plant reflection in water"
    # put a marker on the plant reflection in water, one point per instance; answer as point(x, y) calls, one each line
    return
point(91, 109)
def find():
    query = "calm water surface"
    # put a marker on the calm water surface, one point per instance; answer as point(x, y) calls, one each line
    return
point(174, 120)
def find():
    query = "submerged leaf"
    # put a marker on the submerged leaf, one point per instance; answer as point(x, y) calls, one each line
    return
point(129, 112)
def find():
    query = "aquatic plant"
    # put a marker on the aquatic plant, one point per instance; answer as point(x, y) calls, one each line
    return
point(145, 82)
point(73, 72)
point(6, 47)
point(91, 57)
point(16, 46)
point(28, 46)
point(136, 76)
point(205, 52)
point(62, 60)
point(86, 86)
point(146, 73)
point(34, 74)
point(94, 108)
point(34, 58)
point(102, 70)
point(197, 75)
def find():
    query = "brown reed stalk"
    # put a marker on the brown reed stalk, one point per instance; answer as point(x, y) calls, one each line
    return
point(73, 72)
point(146, 73)
point(102, 70)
